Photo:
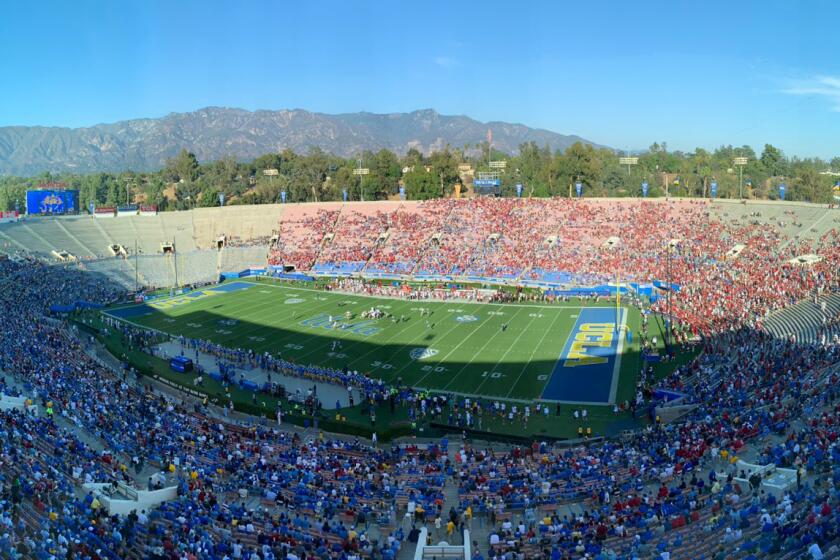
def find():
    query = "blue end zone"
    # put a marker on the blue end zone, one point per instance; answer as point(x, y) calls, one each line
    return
point(584, 373)
point(155, 305)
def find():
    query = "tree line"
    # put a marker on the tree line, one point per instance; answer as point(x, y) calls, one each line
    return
point(185, 183)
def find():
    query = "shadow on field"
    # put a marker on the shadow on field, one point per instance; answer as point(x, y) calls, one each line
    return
point(417, 365)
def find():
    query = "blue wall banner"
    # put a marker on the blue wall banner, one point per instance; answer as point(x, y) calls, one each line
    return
point(578, 188)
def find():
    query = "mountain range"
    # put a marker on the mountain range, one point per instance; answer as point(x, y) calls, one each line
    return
point(215, 132)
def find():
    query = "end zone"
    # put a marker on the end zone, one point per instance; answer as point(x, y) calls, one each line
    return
point(167, 302)
point(588, 368)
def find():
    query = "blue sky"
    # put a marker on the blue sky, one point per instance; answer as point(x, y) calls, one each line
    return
point(691, 74)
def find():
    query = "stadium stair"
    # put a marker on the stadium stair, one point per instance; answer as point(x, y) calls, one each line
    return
point(104, 233)
point(38, 236)
point(85, 251)
point(14, 241)
point(804, 320)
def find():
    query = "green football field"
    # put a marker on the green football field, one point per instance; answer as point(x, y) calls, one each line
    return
point(509, 351)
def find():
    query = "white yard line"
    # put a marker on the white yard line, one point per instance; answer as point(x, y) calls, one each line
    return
point(458, 373)
point(618, 353)
point(531, 359)
point(432, 300)
point(375, 343)
point(236, 309)
point(475, 330)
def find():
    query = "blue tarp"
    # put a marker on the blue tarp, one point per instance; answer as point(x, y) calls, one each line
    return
point(664, 395)
point(666, 285)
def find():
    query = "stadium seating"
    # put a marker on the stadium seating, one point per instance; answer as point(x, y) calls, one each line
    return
point(764, 387)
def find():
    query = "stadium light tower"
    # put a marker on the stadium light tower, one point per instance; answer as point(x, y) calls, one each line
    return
point(361, 172)
point(740, 162)
point(628, 161)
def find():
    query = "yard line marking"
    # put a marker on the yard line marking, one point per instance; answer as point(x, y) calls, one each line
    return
point(377, 345)
point(474, 354)
point(414, 342)
point(248, 308)
point(507, 351)
point(457, 346)
point(245, 307)
point(463, 301)
point(531, 358)
point(618, 354)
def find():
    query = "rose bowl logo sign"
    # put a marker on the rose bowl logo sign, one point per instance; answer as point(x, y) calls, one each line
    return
point(466, 318)
point(422, 353)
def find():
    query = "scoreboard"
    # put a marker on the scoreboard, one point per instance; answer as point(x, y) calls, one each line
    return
point(52, 201)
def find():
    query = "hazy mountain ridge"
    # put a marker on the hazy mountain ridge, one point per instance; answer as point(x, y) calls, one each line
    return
point(214, 132)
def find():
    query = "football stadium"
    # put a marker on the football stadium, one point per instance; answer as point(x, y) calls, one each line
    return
point(331, 333)
point(604, 346)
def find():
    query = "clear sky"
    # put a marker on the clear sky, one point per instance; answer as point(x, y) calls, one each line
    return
point(625, 75)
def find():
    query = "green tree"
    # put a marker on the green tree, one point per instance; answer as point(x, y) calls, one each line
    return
point(183, 167)
point(421, 184)
point(773, 160)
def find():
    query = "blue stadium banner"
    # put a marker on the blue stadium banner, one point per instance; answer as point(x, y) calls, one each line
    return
point(713, 189)
point(283, 196)
point(487, 182)
point(645, 189)
point(221, 199)
point(519, 190)
point(782, 189)
point(578, 188)
point(49, 201)
point(402, 192)
point(91, 207)
point(344, 194)
point(836, 191)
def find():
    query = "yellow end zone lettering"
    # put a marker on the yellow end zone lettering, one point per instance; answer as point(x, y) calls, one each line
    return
point(589, 335)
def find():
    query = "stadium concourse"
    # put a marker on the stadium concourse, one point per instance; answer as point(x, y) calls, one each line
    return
point(762, 397)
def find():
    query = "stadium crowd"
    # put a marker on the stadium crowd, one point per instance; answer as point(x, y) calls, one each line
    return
point(726, 271)
point(262, 492)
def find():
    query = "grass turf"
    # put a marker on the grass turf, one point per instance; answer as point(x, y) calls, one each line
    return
point(458, 348)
